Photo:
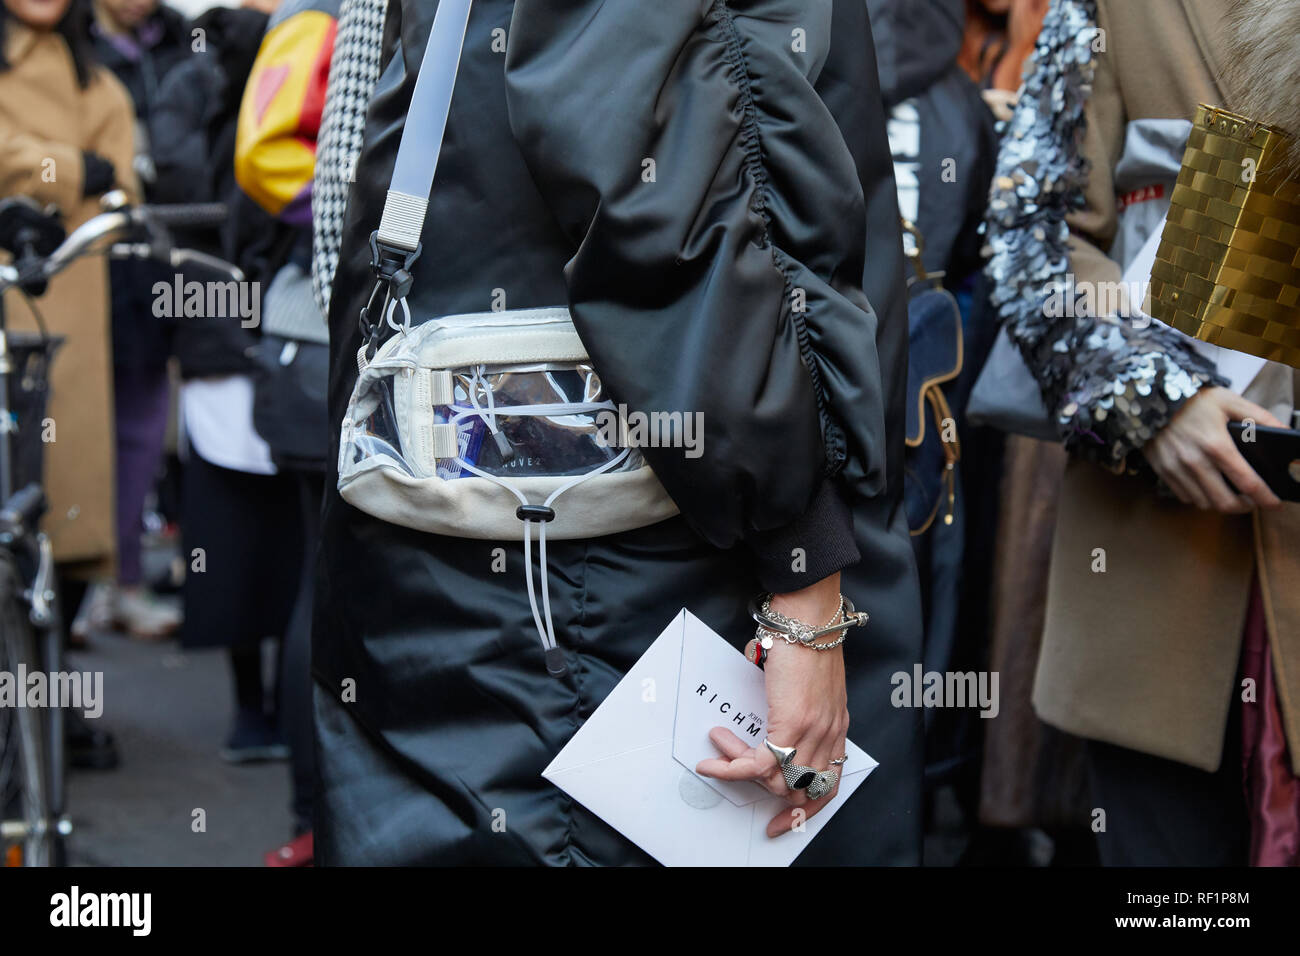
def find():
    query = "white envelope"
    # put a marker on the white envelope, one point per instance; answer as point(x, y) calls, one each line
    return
point(632, 763)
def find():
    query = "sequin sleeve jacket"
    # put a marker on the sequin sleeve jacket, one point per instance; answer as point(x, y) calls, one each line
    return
point(1110, 384)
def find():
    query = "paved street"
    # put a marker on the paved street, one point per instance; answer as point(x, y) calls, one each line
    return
point(170, 712)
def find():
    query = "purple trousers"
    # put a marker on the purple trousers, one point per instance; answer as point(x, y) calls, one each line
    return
point(141, 398)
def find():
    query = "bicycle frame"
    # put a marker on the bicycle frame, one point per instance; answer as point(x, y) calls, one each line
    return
point(40, 741)
point(21, 538)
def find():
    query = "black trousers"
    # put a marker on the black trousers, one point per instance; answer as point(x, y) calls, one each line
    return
point(1164, 813)
point(295, 659)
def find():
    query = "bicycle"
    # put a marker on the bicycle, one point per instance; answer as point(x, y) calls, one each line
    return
point(33, 824)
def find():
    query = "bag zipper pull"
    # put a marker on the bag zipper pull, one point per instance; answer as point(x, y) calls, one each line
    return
point(950, 477)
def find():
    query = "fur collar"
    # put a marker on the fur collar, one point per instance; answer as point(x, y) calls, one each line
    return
point(1263, 44)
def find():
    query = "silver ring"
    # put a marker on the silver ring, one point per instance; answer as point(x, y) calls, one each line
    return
point(839, 762)
point(784, 755)
point(822, 784)
point(797, 776)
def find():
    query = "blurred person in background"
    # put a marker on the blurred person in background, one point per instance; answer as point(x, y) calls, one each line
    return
point(140, 41)
point(192, 128)
point(944, 144)
point(1032, 778)
point(275, 160)
point(237, 513)
point(1151, 660)
point(936, 114)
point(1000, 35)
point(65, 140)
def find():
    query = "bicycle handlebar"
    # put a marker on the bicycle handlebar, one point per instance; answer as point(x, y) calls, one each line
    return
point(124, 220)
point(187, 215)
point(82, 238)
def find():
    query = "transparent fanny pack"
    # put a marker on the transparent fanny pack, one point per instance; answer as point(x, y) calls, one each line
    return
point(458, 423)
point(545, 419)
point(475, 426)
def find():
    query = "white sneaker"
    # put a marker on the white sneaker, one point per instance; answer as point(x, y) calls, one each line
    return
point(142, 614)
point(96, 611)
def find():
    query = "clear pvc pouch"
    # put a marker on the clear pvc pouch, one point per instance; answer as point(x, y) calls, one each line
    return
point(458, 422)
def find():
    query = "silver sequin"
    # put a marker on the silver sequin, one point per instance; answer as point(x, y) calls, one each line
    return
point(1082, 362)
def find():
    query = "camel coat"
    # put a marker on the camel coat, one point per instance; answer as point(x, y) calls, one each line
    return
point(46, 120)
point(1145, 654)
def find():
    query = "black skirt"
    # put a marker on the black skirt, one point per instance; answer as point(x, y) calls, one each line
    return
point(435, 715)
point(242, 536)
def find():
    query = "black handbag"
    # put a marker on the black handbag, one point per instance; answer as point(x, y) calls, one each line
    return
point(934, 359)
point(291, 374)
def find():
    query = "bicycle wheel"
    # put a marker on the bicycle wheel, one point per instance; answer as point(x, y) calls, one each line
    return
point(28, 830)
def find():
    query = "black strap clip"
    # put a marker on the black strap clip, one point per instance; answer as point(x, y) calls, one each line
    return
point(392, 265)
point(392, 268)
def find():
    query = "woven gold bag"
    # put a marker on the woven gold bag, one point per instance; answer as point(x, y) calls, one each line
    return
point(1228, 267)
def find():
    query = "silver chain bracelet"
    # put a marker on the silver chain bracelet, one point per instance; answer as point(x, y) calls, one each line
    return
point(792, 631)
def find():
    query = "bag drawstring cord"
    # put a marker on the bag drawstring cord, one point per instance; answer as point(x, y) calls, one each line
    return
point(531, 514)
point(541, 515)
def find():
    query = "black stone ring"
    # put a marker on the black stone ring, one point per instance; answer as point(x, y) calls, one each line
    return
point(798, 777)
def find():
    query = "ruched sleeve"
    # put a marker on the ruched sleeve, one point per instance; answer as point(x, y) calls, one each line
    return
point(719, 226)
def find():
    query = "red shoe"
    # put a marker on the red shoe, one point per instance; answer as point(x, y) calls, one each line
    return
point(297, 852)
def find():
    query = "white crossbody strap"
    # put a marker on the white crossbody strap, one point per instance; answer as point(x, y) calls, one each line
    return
point(417, 154)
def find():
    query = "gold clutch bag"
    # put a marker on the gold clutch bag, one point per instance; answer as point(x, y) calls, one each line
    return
point(1228, 267)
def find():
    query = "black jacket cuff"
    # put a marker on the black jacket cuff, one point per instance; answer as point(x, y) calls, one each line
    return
point(816, 544)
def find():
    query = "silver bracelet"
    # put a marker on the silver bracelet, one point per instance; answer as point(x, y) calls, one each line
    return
point(797, 632)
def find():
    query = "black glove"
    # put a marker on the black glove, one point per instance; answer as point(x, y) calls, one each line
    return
point(99, 174)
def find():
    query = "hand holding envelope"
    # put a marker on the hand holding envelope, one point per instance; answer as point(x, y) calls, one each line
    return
point(814, 725)
point(632, 762)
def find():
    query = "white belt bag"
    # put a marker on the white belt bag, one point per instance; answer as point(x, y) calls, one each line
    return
point(459, 422)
